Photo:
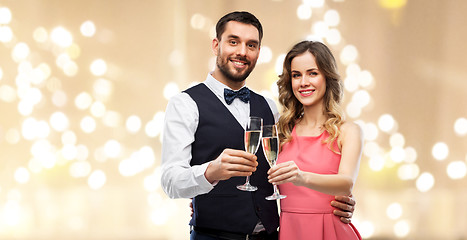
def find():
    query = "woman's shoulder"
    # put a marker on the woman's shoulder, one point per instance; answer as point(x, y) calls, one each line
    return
point(351, 128)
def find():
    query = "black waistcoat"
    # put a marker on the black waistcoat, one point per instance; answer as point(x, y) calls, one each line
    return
point(225, 207)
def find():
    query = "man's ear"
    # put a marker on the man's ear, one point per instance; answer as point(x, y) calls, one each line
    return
point(215, 46)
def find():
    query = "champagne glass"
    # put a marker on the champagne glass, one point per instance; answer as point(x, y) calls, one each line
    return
point(252, 139)
point(270, 142)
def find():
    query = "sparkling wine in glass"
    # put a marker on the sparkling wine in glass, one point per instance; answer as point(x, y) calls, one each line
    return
point(252, 140)
point(270, 141)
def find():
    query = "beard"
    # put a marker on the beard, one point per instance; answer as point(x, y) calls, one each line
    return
point(232, 73)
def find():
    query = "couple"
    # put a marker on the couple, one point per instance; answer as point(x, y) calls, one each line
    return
point(202, 149)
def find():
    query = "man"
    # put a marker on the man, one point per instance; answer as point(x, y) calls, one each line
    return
point(203, 135)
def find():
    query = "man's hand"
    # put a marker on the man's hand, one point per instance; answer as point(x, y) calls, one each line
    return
point(345, 206)
point(231, 163)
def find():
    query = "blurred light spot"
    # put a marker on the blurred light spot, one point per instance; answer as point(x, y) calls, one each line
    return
point(88, 124)
point(376, 163)
point(170, 90)
point(112, 119)
point(370, 131)
point(365, 79)
point(320, 29)
point(279, 64)
point(349, 54)
point(112, 148)
point(332, 18)
point(386, 123)
point(70, 68)
point(11, 213)
point(392, 4)
point(133, 124)
point(41, 73)
point(98, 109)
point(440, 151)
point(97, 179)
point(366, 229)
point(43, 129)
point(40, 35)
point(69, 137)
point(83, 100)
point(333, 36)
point(314, 3)
point(460, 126)
point(69, 152)
point(153, 182)
point(59, 121)
point(80, 169)
point(304, 12)
point(176, 58)
point(88, 29)
point(402, 229)
point(361, 98)
point(265, 55)
point(59, 98)
point(410, 155)
point(61, 37)
point(425, 182)
point(397, 140)
point(456, 170)
point(160, 216)
point(7, 93)
point(6, 35)
point(20, 52)
point(154, 127)
point(351, 83)
point(62, 60)
point(138, 162)
point(197, 21)
point(29, 128)
point(5, 15)
point(74, 51)
point(394, 211)
point(102, 89)
point(12, 136)
point(408, 171)
point(25, 108)
point(98, 67)
point(82, 152)
point(397, 154)
point(353, 110)
point(22, 175)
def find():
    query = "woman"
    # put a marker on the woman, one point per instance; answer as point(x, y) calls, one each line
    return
point(320, 151)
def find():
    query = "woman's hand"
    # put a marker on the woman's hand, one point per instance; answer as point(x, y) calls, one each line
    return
point(285, 172)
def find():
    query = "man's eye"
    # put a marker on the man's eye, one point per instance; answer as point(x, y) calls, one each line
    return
point(233, 42)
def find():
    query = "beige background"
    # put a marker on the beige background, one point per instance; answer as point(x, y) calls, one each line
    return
point(415, 52)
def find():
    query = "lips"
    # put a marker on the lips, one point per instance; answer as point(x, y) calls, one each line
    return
point(239, 63)
point(306, 93)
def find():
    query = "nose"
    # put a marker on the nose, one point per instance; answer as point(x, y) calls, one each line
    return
point(304, 81)
point(242, 49)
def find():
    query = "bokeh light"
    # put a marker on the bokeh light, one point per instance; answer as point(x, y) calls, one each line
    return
point(440, 151)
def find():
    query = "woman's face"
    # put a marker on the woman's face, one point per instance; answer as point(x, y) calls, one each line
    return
point(308, 83)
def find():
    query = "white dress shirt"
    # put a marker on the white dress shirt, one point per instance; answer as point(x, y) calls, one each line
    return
point(179, 179)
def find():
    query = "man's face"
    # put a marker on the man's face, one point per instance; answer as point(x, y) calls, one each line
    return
point(237, 51)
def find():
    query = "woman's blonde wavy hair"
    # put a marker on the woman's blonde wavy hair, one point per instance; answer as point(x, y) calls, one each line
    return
point(293, 109)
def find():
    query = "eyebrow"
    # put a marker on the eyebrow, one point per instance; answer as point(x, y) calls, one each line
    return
point(237, 37)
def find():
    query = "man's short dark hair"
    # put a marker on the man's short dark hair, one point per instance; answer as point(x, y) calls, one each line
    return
point(243, 17)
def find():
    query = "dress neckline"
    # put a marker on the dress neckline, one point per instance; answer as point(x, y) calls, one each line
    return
point(294, 133)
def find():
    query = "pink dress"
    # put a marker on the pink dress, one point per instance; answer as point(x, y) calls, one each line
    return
point(306, 213)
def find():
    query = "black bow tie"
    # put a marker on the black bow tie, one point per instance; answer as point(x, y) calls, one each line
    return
point(243, 94)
